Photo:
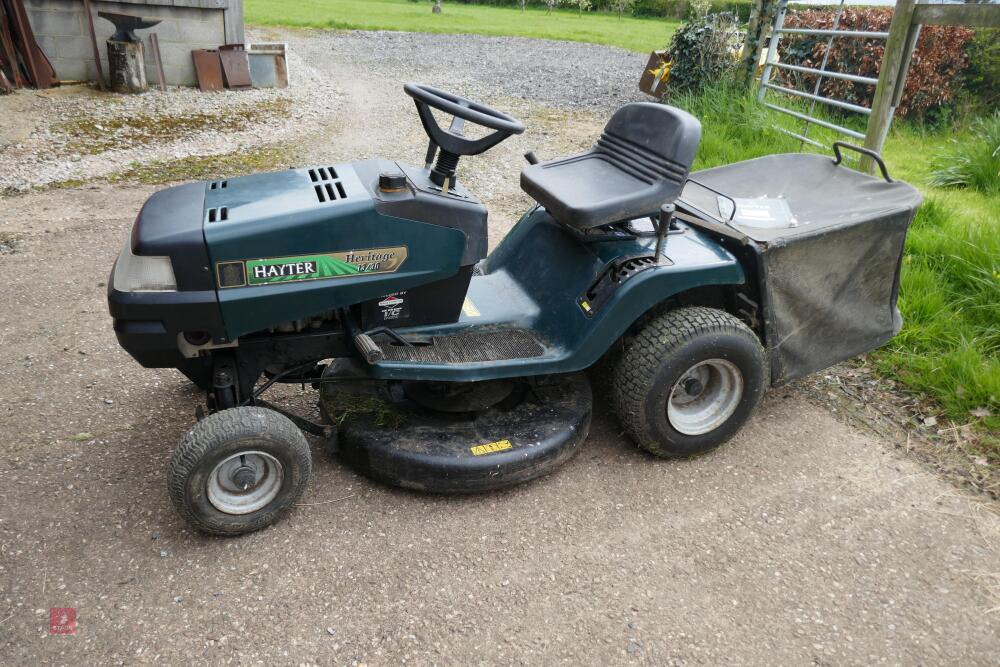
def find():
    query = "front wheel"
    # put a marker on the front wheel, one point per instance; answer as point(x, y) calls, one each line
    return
point(688, 381)
point(238, 470)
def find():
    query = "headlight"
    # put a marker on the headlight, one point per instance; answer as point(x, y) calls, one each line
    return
point(134, 273)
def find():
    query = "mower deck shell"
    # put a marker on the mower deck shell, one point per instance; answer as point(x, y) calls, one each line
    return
point(402, 444)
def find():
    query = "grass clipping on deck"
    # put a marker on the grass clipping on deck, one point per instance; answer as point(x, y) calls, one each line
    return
point(341, 406)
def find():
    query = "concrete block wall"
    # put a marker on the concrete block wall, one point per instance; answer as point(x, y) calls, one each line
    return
point(61, 30)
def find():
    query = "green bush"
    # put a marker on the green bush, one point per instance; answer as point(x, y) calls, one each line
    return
point(703, 51)
point(974, 160)
point(982, 78)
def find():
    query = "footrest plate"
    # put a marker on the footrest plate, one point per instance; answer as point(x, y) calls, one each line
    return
point(466, 348)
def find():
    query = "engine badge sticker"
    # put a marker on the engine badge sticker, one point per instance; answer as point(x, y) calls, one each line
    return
point(298, 268)
point(394, 307)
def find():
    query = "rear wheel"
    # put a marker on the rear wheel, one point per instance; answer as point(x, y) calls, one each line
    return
point(238, 470)
point(688, 381)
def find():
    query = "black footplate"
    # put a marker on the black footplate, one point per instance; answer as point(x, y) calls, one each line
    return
point(398, 441)
point(464, 348)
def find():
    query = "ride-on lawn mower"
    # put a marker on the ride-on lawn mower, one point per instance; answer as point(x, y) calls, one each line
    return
point(445, 370)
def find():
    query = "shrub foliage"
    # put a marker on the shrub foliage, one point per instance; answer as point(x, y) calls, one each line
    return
point(982, 78)
point(703, 52)
point(934, 77)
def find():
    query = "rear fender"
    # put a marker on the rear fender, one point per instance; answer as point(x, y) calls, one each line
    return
point(642, 294)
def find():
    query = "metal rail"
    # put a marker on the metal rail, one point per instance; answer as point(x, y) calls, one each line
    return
point(808, 119)
point(819, 98)
point(834, 33)
point(822, 65)
point(827, 74)
point(816, 121)
point(800, 137)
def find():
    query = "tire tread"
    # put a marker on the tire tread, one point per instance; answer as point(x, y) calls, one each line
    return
point(659, 338)
point(219, 428)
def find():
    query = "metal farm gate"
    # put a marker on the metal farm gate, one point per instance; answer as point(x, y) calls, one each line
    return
point(821, 72)
point(900, 41)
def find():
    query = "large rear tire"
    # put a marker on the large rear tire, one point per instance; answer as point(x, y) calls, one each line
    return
point(238, 470)
point(688, 381)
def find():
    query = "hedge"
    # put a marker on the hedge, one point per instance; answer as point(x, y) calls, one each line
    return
point(677, 9)
point(935, 70)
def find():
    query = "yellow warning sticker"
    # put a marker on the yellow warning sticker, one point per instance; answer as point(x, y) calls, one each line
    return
point(470, 309)
point(491, 447)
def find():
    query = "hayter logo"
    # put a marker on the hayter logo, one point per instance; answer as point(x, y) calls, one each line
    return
point(62, 621)
point(282, 270)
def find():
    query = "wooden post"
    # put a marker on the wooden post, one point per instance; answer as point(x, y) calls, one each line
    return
point(979, 16)
point(761, 17)
point(154, 43)
point(93, 44)
point(893, 60)
point(772, 48)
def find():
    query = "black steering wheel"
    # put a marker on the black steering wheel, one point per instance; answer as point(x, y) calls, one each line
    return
point(452, 142)
point(462, 109)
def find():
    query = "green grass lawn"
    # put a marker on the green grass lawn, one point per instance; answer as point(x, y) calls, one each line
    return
point(950, 291)
point(629, 33)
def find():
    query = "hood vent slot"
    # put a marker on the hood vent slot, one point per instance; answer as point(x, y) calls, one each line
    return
point(218, 185)
point(323, 174)
point(220, 214)
point(328, 186)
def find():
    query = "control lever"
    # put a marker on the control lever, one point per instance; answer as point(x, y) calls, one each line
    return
point(663, 228)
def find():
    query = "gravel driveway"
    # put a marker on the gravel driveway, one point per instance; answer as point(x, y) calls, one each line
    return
point(802, 541)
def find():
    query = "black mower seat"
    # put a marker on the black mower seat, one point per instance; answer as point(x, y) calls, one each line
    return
point(640, 163)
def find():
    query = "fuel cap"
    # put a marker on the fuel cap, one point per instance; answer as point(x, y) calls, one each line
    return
point(391, 181)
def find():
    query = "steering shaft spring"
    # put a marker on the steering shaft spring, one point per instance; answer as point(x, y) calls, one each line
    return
point(447, 163)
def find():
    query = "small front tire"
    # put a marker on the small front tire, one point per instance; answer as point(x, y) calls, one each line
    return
point(688, 381)
point(238, 470)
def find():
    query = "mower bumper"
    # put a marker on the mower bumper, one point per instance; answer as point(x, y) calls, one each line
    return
point(149, 325)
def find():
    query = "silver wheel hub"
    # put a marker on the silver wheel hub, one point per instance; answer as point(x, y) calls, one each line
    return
point(245, 482)
point(705, 397)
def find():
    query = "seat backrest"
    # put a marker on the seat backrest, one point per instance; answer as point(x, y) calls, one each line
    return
point(652, 142)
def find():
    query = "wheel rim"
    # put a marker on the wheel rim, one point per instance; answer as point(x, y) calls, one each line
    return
point(245, 482)
point(705, 397)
